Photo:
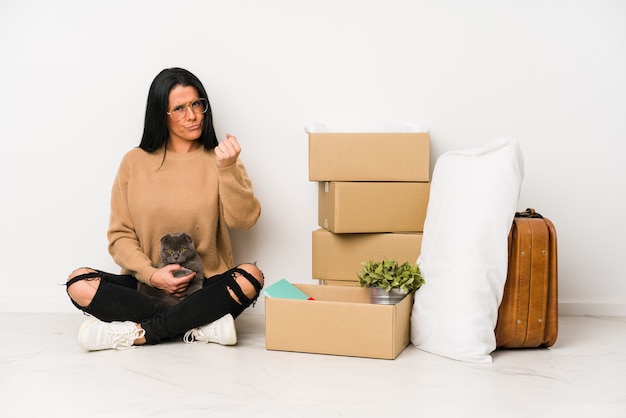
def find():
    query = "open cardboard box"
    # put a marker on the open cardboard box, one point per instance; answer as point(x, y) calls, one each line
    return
point(340, 321)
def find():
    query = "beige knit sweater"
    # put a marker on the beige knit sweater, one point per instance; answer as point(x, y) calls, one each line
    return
point(188, 193)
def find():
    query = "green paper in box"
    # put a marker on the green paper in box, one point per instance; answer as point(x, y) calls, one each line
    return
point(283, 289)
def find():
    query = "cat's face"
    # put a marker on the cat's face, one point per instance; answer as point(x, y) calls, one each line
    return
point(177, 248)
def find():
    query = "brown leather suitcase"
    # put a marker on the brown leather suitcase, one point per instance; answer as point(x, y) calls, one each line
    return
point(528, 314)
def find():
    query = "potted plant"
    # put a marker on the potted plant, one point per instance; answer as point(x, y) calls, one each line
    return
point(389, 282)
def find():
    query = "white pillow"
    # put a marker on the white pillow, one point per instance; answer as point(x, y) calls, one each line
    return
point(464, 256)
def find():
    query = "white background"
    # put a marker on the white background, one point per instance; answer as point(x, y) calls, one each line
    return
point(75, 76)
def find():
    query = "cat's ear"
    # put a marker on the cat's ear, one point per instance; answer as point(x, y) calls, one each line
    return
point(186, 237)
point(165, 237)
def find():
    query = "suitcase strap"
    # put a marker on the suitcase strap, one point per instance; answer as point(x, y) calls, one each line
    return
point(537, 262)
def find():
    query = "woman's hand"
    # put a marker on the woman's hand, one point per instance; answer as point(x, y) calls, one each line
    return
point(227, 152)
point(164, 280)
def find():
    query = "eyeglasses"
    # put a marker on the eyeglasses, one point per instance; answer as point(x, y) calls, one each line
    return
point(197, 106)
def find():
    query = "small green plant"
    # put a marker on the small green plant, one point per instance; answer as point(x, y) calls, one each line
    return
point(388, 274)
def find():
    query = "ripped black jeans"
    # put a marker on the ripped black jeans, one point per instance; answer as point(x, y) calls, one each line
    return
point(117, 299)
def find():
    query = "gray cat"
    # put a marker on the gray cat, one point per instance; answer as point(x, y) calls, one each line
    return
point(177, 248)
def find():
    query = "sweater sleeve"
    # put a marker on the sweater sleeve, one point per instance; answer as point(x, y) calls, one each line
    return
point(241, 208)
point(124, 245)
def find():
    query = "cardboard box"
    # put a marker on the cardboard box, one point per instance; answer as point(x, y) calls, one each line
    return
point(339, 256)
point(345, 207)
point(390, 156)
point(340, 321)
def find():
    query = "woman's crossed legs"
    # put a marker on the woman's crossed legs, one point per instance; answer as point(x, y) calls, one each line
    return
point(123, 316)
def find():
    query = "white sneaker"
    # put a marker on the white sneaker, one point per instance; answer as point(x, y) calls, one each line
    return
point(221, 331)
point(96, 335)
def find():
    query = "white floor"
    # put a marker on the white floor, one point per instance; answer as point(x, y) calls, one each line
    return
point(44, 373)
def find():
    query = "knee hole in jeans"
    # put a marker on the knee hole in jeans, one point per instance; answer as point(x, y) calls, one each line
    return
point(82, 285)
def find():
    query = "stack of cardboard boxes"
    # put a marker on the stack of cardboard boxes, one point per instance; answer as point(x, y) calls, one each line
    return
point(372, 199)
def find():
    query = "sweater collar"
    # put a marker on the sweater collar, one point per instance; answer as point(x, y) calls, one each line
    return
point(174, 156)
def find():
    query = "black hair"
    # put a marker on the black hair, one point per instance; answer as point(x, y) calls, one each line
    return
point(155, 132)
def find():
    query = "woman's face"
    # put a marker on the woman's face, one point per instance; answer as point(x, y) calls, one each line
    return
point(189, 128)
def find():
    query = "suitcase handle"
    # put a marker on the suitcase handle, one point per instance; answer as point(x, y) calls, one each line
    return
point(528, 213)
